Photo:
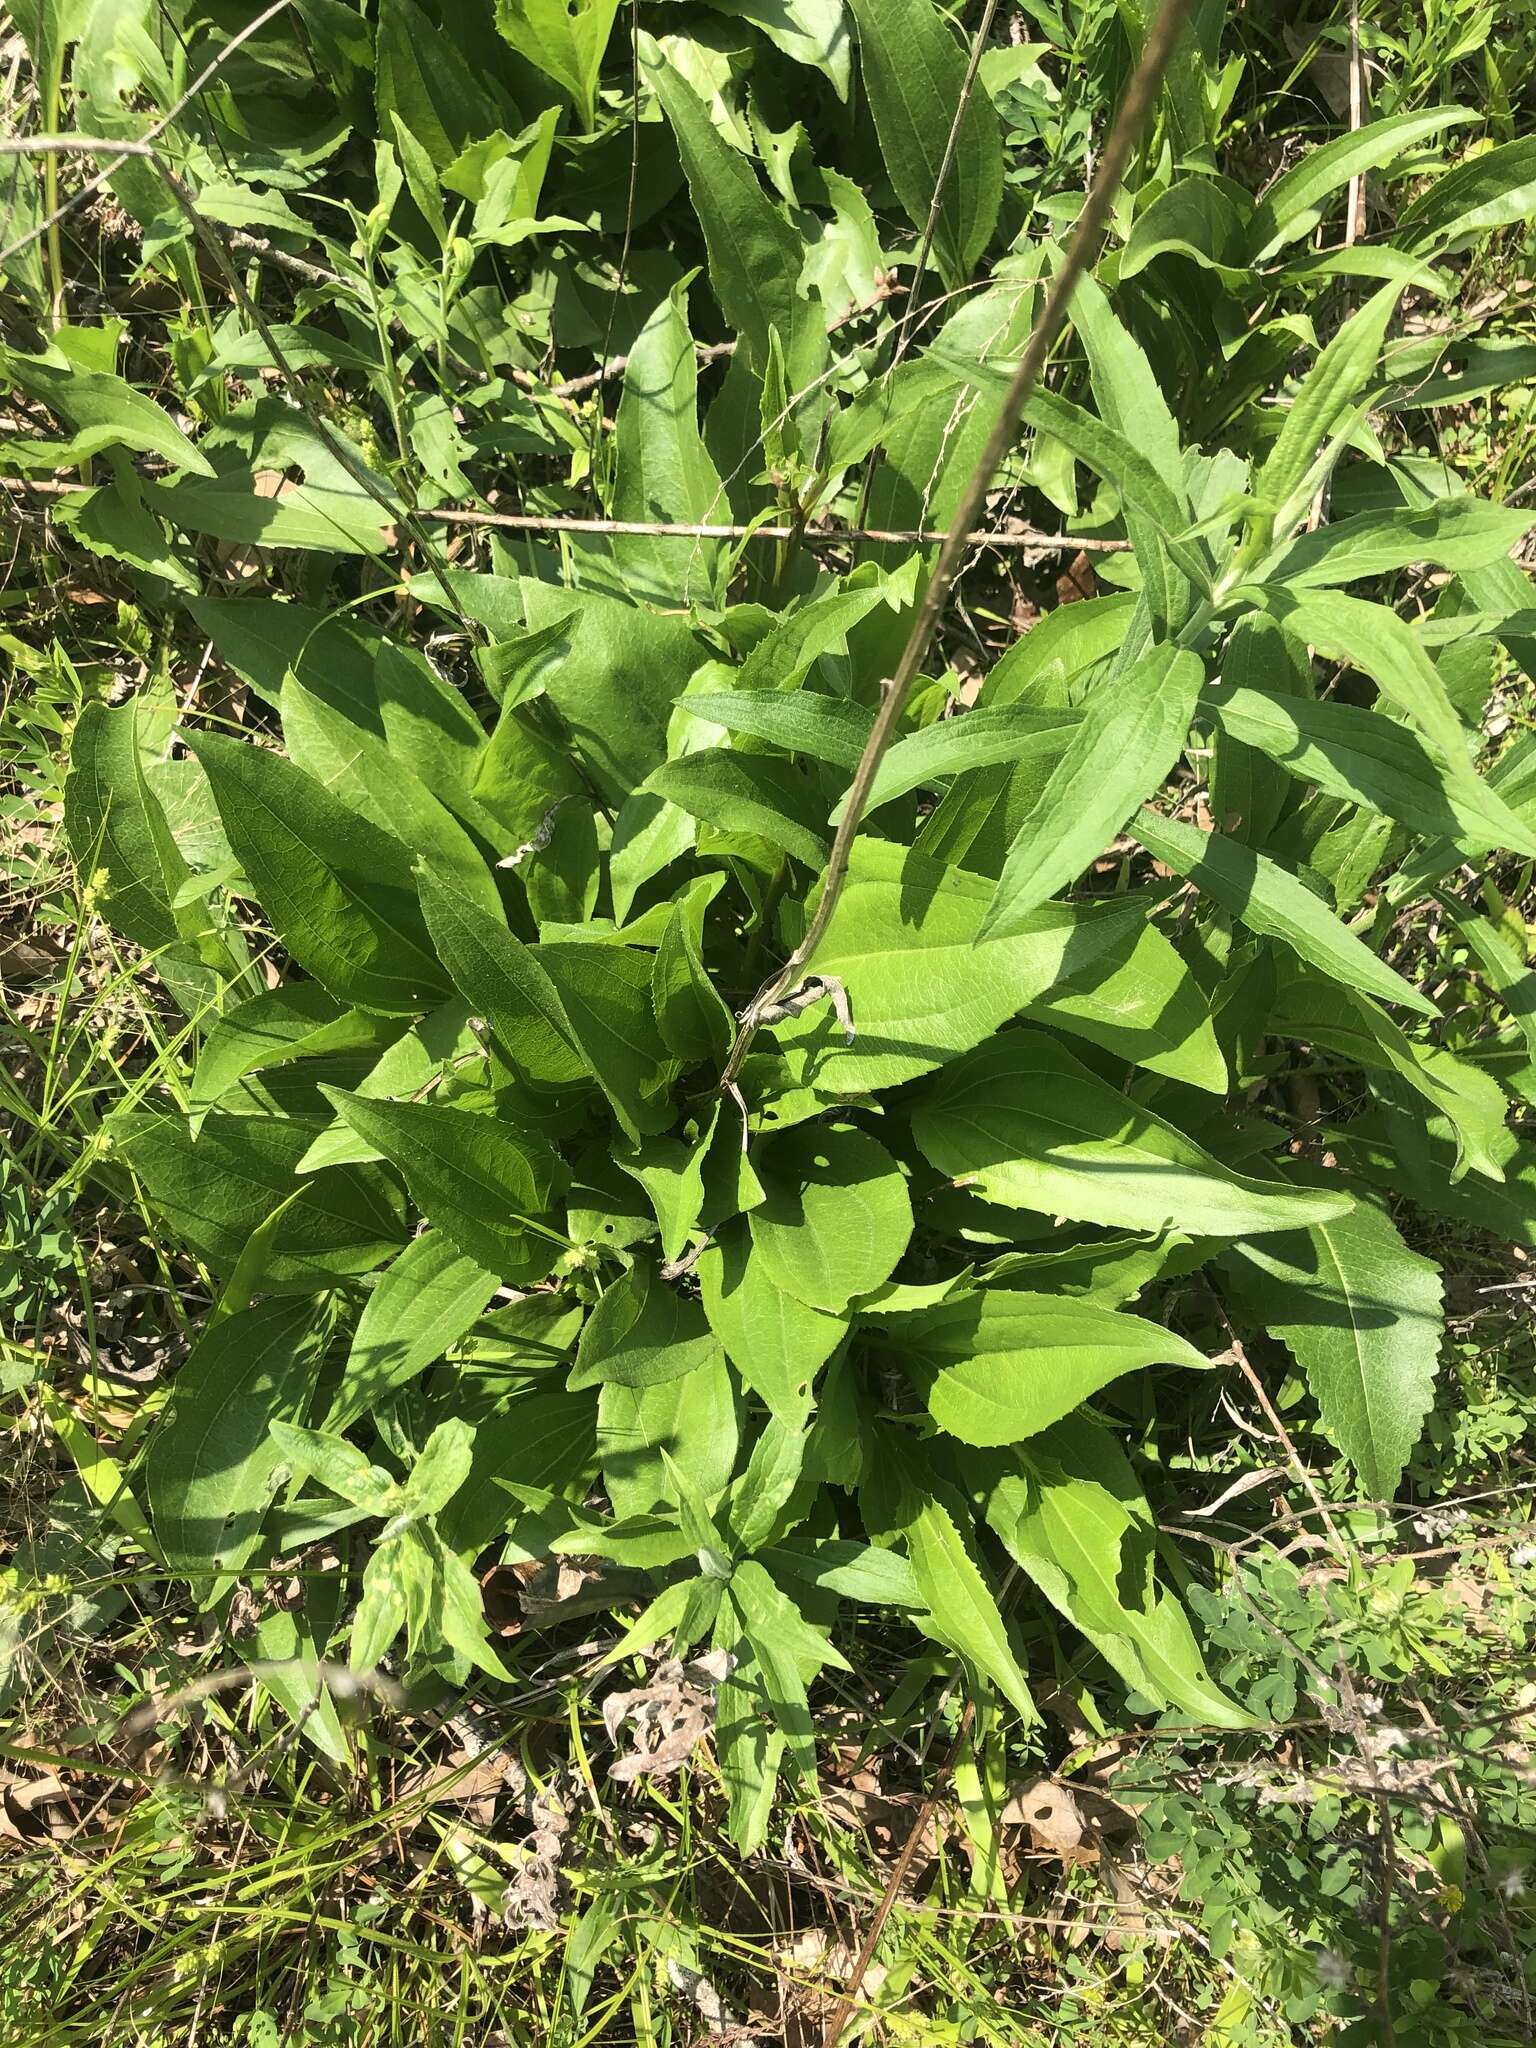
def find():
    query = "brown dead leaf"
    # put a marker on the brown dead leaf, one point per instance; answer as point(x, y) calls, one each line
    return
point(1328, 69)
point(531, 1898)
point(885, 1820)
point(36, 1810)
point(1078, 582)
point(472, 1779)
point(1130, 1922)
point(241, 560)
point(1051, 1814)
point(815, 1969)
point(669, 1717)
point(1025, 613)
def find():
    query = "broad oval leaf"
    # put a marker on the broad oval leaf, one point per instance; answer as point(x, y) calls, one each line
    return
point(904, 943)
point(214, 1189)
point(641, 1332)
point(837, 1216)
point(213, 1466)
point(776, 1342)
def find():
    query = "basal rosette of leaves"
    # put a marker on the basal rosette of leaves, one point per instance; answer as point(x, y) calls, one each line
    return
point(502, 1272)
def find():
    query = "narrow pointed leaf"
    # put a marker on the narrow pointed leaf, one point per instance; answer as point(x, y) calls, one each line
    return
point(1028, 1125)
point(1271, 900)
point(1332, 388)
point(1369, 759)
point(1118, 755)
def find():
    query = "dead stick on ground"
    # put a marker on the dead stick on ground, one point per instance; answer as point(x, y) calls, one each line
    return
point(894, 1883)
point(1140, 96)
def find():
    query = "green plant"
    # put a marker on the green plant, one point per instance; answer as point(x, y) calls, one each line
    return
point(588, 1154)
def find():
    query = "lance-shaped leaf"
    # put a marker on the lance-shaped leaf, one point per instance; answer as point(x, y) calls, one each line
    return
point(371, 777)
point(338, 890)
point(1028, 1125)
point(1453, 533)
point(1121, 751)
point(490, 1187)
point(424, 1302)
point(1068, 1510)
point(1373, 639)
point(747, 793)
point(754, 254)
point(913, 71)
point(1195, 218)
point(1131, 401)
point(1144, 489)
point(795, 720)
point(662, 470)
point(980, 739)
point(105, 412)
point(1361, 1315)
point(297, 1021)
point(506, 982)
point(1271, 900)
point(1369, 759)
point(1248, 792)
point(1331, 389)
point(566, 42)
point(960, 1608)
point(783, 658)
point(1292, 205)
point(1343, 1020)
point(1481, 192)
point(117, 826)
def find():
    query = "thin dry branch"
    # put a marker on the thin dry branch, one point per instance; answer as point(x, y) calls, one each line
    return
point(1026, 539)
point(121, 150)
point(1140, 95)
point(822, 536)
